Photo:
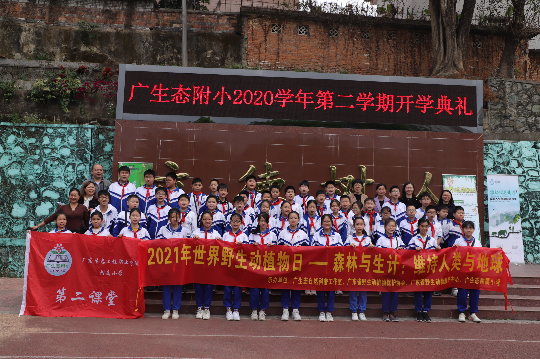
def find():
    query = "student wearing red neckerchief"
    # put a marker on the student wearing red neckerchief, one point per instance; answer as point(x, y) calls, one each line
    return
point(454, 228)
point(265, 197)
point(122, 219)
point(120, 190)
point(157, 213)
point(254, 197)
point(371, 218)
point(188, 219)
point(134, 230)
point(409, 226)
point(147, 192)
point(330, 189)
point(224, 206)
point(197, 199)
point(173, 191)
point(95, 226)
point(303, 197)
point(320, 199)
point(280, 223)
point(425, 200)
point(60, 219)
point(397, 207)
point(247, 223)
point(260, 297)
point(345, 207)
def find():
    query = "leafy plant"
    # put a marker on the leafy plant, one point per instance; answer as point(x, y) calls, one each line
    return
point(38, 55)
point(8, 87)
point(88, 32)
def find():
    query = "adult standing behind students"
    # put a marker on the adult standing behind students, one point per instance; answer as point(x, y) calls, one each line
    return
point(447, 200)
point(408, 197)
point(89, 196)
point(380, 198)
point(356, 195)
point(101, 183)
point(77, 214)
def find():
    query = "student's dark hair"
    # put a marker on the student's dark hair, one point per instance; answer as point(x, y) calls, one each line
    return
point(202, 215)
point(264, 192)
point(304, 183)
point(244, 192)
point(310, 202)
point(212, 196)
point(458, 208)
point(290, 187)
point(289, 216)
point(354, 223)
point(284, 203)
point(369, 199)
point(222, 186)
point(381, 185)
point(344, 197)
point(135, 210)
point(172, 175)
point(335, 201)
point(405, 185)
point(325, 216)
point(389, 220)
point(358, 203)
point(104, 192)
point(236, 215)
point(266, 201)
point(161, 189)
point(173, 210)
point(183, 195)
point(386, 209)
point(329, 183)
point(150, 172)
point(410, 205)
point(214, 180)
point(251, 177)
point(468, 224)
point(319, 192)
point(61, 214)
point(422, 195)
point(196, 180)
point(422, 220)
point(97, 213)
point(75, 190)
point(431, 207)
point(451, 202)
point(275, 186)
point(238, 199)
point(264, 216)
point(124, 168)
point(85, 185)
point(391, 188)
point(440, 207)
point(357, 180)
point(131, 196)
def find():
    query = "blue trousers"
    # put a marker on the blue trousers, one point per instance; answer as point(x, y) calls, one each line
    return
point(291, 297)
point(232, 297)
point(389, 301)
point(325, 297)
point(474, 296)
point(259, 297)
point(203, 295)
point(426, 306)
point(176, 291)
point(358, 301)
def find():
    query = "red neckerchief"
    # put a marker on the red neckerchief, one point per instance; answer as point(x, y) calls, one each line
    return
point(312, 224)
point(371, 220)
point(206, 233)
point(159, 209)
point(252, 195)
point(135, 232)
point(460, 226)
point(327, 239)
point(262, 236)
point(147, 192)
point(355, 237)
point(346, 214)
point(293, 233)
point(277, 202)
point(169, 195)
point(395, 205)
point(303, 200)
point(95, 234)
point(432, 229)
point(391, 243)
point(223, 206)
point(335, 221)
point(423, 243)
point(183, 214)
point(235, 235)
point(469, 243)
point(282, 219)
point(197, 194)
point(123, 189)
point(411, 223)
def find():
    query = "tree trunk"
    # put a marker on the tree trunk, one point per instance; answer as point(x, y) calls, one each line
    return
point(449, 36)
point(514, 36)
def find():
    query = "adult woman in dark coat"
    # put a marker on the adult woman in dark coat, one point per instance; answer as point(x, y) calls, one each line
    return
point(77, 214)
point(447, 199)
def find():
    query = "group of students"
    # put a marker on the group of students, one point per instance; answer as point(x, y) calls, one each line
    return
point(263, 218)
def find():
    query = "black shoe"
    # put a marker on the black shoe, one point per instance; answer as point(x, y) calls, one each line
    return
point(426, 317)
point(437, 294)
point(393, 317)
point(385, 317)
point(407, 294)
point(419, 317)
point(150, 289)
point(184, 289)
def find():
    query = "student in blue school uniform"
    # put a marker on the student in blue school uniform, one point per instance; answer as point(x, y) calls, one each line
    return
point(338, 220)
point(379, 227)
point(293, 235)
point(173, 191)
point(204, 292)
point(303, 197)
point(371, 218)
point(172, 230)
point(122, 219)
point(330, 190)
point(454, 228)
point(442, 214)
point(218, 222)
point(224, 206)
point(260, 297)
point(280, 223)
point(389, 240)
point(409, 226)
point(322, 208)
point(423, 241)
point(290, 193)
point(232, 295)
point(213, 187)
point(254, 197)
point(424, 200)
point(107, 210)
point(345, 208)
point(95, 226)
point(435, 231)
point(467, 240)
point(246, 226)
point(120, 190)
point(275, 201)
point(247, 208)
point(397, 208)
point(265, 197)
point(355, 213)
point(135, 230)
point(197, 199)
point(265, 207)
point(61, 221)
point(358, 238)
point(188, 219)
point(311, 221)
point(147, 193)
point(326, 237)
point(157, 213)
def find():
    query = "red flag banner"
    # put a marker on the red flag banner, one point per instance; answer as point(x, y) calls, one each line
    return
point(181, 261)
point(75, 275)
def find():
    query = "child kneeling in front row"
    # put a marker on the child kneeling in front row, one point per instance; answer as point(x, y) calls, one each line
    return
point(474, 294)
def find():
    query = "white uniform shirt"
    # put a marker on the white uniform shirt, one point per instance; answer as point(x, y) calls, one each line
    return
point(321, 238)
point(424, 243)
point(238, 237)
point(362, 241)
point(462, 242)
point(188, 221)
point(302, 202)
point(398, 210)
point(102, 232)
point(210, 234)
point(109, 217)
point(293, 238)
point(168, 232)
point(141, 233)
point(57, 231)
point(268, 237)
point(385, 241)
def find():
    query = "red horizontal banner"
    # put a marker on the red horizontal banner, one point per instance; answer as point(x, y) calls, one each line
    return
point(180, 261)
point(75, 275)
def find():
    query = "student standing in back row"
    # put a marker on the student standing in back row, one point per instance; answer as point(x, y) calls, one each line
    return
point(303, 198)
point(147, 193)
point(397, 208)
point(157, 213)
point(120, 190)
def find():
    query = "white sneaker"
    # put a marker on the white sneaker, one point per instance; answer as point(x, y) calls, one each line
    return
point(474, 318)
point(355, 317)
point(308, 292)
point(175, 314)
point(296, 315)
point(329, 317)
point(206, 314)
point(166, 314)
point(453, 293)
point(229, 315)
point(254, 315)
point(236, 315)
point(285, 315)
point(339, 292)
point(262, 315)
point(461, 317)
point(322, 317)
point(199, 314)
point(362, 316)
point(313, 292)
